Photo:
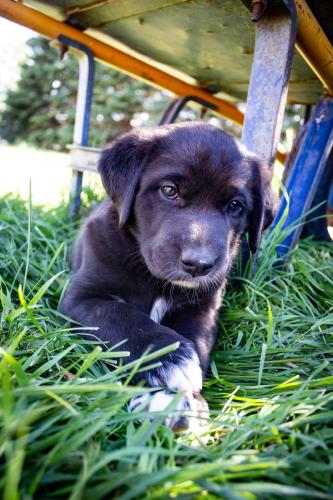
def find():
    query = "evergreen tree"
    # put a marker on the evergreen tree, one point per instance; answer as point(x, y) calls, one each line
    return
point(41, 109)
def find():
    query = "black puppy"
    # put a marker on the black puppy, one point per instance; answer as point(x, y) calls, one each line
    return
point(150, 264)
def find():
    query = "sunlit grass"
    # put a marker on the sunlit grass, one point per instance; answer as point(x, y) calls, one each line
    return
point(48, 171)
point(64, 428)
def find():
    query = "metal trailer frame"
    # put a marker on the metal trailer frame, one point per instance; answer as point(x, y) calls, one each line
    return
point(275, 32)
point(306, 173)
point(82, 113)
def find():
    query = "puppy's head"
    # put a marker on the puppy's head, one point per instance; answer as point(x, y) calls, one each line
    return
point(188, 192)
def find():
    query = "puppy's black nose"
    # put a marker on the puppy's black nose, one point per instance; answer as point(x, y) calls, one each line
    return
point(197, 263)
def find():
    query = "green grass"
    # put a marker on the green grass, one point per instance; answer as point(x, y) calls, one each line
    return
point(64, 428)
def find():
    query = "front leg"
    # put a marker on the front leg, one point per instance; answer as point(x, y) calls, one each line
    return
point(198, 324)
point(180, 370)
point(118, 321)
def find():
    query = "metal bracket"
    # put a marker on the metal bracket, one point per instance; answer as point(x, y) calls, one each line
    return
point(274, 47)
point(176, 105)
point(306, 172)
point(82, 113)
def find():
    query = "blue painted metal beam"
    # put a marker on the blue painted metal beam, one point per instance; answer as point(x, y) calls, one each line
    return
point(266, 100)
point(306, 172)
point(274, 48)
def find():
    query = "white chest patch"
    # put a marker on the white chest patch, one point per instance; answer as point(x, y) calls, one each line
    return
point(159, 309)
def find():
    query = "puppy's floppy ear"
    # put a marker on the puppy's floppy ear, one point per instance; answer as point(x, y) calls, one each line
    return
point(121, 166)
point(265, 202)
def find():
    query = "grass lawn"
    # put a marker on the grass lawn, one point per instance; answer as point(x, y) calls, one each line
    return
point(64, 428)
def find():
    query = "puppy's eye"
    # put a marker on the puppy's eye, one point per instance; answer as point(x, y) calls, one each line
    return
point(169, 191)
point(235, 207)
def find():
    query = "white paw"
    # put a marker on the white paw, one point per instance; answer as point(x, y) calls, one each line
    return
point(180, 371)
point(187, 414)
point(187, 375)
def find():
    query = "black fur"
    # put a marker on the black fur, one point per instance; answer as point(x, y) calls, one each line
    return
point(130, 249)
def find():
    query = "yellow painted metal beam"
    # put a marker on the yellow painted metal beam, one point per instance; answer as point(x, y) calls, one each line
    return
point(313, 45)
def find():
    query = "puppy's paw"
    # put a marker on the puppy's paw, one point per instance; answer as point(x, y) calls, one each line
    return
point(187, 414)
point(180, 370)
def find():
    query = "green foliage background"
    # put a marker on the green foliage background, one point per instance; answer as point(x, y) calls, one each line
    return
point(41, 109)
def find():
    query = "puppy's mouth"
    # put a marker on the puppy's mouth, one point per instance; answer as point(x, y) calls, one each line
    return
point(209, 281)
point(186, 283)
